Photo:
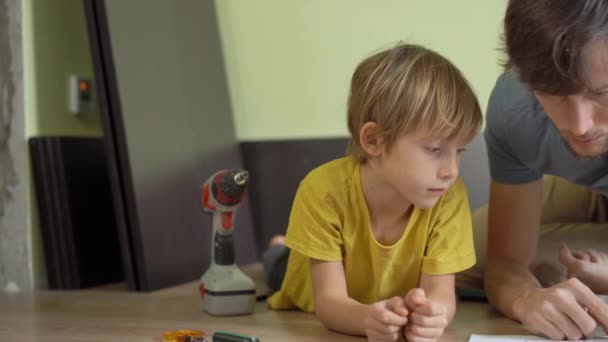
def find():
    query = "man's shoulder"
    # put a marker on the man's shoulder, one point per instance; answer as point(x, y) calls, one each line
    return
point(521, 140)
point(514, 113)
point(511, 99)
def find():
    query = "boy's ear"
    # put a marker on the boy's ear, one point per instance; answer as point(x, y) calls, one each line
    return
point(369, 139)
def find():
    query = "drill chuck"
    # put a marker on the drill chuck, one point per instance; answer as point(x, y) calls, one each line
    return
point(229, 188)
point(241, 178)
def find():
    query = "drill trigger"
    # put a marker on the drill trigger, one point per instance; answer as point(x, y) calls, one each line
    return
point(227, 219)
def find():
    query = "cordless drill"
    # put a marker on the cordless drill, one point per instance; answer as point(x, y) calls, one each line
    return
point(224, 288)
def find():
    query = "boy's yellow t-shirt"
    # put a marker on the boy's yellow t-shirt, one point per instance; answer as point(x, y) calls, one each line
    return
point(330, 221)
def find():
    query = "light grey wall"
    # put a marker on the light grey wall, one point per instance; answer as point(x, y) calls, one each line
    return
point(15, 235)
point(174, 129)
point(475, 172)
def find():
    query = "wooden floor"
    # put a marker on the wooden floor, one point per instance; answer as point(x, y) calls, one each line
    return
point(103, 315)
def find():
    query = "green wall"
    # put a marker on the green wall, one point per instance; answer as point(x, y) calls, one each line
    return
point(55, 45)
point(289, 62)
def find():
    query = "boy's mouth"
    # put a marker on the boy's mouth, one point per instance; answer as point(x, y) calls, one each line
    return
point(437, 190)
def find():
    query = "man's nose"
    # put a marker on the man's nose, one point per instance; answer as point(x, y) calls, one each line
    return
point(580, 117)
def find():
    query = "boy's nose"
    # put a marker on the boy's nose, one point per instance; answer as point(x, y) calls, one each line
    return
point(449, 169)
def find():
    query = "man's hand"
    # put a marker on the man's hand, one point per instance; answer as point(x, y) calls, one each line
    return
point(385, 320)
point(428, 319)
point(564, 311)
point(590, 267)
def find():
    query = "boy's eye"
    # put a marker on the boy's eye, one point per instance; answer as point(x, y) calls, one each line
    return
point(461, 150)
point(432, 149)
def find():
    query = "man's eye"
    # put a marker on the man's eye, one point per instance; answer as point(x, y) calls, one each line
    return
point(601, 96)
point(556, 98)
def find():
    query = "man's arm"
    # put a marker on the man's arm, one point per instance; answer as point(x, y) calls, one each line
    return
point(514, 217)
point(567, 310)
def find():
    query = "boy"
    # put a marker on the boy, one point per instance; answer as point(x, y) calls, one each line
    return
point(376, 237)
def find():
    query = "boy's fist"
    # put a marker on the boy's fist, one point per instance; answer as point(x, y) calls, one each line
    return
point(385, 320)
point(427, 320)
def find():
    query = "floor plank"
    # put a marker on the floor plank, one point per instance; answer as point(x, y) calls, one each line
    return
point(109, 316)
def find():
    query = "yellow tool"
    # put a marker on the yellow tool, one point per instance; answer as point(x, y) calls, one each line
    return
point(184, 335)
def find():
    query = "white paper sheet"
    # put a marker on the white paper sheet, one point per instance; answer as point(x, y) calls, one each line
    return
point(505, 338)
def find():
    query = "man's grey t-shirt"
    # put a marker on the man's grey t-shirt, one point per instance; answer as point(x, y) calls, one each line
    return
point(523, 143)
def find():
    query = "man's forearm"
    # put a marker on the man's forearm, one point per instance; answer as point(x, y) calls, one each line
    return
point(343, 315)
point(505, 282)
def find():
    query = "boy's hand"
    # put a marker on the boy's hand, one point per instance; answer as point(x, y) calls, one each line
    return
point(385, 320)
point(590, 267)
point(428, 319)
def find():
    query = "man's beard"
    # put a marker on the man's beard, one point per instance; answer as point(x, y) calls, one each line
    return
point(600, 155)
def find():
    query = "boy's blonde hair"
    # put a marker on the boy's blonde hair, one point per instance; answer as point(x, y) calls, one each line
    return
point(407, 88)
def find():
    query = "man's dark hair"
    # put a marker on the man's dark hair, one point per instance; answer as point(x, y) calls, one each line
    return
point(546, 41)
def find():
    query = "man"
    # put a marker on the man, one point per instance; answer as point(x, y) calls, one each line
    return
point(548, 115)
